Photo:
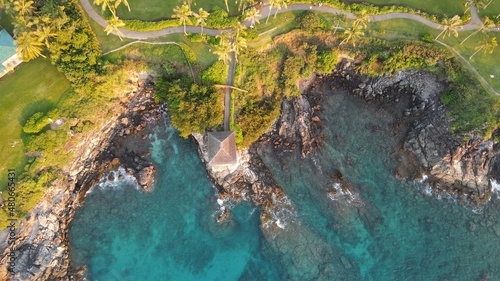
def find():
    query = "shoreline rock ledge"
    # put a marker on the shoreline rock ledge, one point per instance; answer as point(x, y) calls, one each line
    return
point(42, 245)
point(466, 169)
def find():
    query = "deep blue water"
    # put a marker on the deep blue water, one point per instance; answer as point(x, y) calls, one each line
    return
point(388, 230)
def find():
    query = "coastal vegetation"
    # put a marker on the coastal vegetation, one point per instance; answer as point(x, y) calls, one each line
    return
point(266, 75)
point(94, 88)
point(24, 94)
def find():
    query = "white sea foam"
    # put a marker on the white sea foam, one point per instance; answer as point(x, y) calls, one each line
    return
point(120, 179)
point(280, 225)
point(220, 201)
point(424, 177)
point(282, 214)
point(345, 195)
point(495, 186)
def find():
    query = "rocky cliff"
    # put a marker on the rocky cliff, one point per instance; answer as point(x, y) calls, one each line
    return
point(463, 168)
point(42, 250)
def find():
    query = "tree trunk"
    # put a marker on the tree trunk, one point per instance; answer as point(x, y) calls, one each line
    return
point(440, 34)
point(476, 52)
point(269, 14)
point(470, 36)
point(336, 27)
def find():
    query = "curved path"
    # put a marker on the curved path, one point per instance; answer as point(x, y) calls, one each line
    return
point(473, 24)
point(266, 10)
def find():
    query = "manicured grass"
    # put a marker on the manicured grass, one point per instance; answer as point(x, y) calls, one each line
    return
point(284, 22)
point(204, 57)
point(485, 64)
point(445, 7)
point(492, 10)
point(107, 42)
point(32, 87)
point(158, 55)
point(399, 29)
point(163, 9)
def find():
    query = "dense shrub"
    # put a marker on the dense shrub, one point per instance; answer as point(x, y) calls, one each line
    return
point(215, 74)
point(36, 123)
point(291, 75)
point(75, 51)
point(219, 18)
point(310, 21)
point(192, 109)
point(327, 60)
point(140, 25)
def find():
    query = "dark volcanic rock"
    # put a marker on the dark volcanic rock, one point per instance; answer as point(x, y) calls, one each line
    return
point(146, 177)
point(462, 168)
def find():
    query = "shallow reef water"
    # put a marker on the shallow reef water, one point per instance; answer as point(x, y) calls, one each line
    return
point(385, 229)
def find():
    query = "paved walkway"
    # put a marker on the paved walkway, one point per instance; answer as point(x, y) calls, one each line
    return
point(227, 97)
point(473, 24)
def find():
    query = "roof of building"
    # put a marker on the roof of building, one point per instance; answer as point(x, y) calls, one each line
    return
point(221, 148)
point(7, 47)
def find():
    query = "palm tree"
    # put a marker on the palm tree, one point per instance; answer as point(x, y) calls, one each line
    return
point(224, 48)
point(118, 2)
point(340, 19)
point(485, 25)
point(272, 3)
point(242, 4)
point(106, 4)
point(279, 5)
point(113, 25)
point(362, 20)
point(239, 30)
point(487, 45)
point(23, 8)
point(183, 13)
point(239, 43)
point(111, 5)
point(201, 18)
point(450, 26)
point(253, 16)
point(45, 33)
point(28, 46)
point(353, 34)
point(480, 4)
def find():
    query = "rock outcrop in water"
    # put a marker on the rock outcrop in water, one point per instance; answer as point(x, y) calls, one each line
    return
point(42, 246)
point(250, 179)
point(463, 168)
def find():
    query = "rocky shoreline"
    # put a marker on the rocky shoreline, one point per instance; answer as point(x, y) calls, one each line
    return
point(42, 237)
point(462, 166)
point(427, 151)
point(464, 169)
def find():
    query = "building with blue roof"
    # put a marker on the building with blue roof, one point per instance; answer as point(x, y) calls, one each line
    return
point(8, 55)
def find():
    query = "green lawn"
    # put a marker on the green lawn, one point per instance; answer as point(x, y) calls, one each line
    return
point(492, 10)
point(284, 22)
point(163, 9)
point(156, 55)
point(399, 29)
point(445, 7)
point(32, 87)
point(485, 64)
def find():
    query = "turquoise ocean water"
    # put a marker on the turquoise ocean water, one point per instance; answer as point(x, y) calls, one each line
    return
point(387, 229)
